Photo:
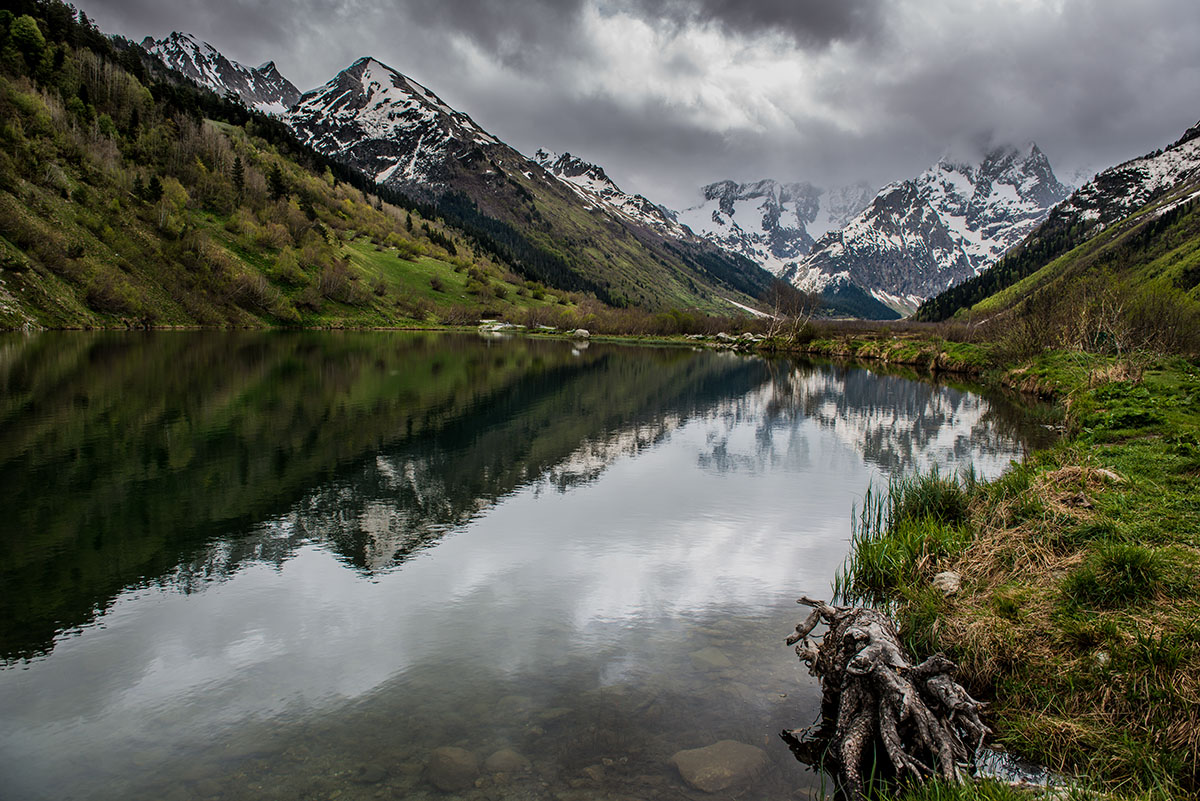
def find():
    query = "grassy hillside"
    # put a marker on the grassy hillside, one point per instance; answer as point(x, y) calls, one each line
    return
point(138, 201)
point(1134, 285)
point(588, 249)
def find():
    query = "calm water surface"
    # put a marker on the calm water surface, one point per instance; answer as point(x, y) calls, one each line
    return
point(291, 565)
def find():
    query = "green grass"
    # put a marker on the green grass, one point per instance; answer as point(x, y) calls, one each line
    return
point(902, 535)
point(1079, 613)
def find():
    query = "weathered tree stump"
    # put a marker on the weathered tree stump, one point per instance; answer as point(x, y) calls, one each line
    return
point(872, 695)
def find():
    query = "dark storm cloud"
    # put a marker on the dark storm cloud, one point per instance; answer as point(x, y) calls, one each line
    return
point(844, 89)
point(810, 23)
point(519, 34)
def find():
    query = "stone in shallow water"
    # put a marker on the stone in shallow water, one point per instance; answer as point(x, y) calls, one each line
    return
point(720, 766)
point(712, 658)
point(506, 760)
point(451, 769)
point(369, 774)
point(594, 772)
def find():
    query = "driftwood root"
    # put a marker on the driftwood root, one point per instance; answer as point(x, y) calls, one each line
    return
point(922, 720)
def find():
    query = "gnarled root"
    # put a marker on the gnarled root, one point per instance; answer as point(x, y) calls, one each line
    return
point(926, 723)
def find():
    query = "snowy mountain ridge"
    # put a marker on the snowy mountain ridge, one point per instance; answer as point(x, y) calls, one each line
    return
point(772, 223)
point(385, 124)
point(595, 187)
point(260, 87)
point(1115, 192)
point(920, 236)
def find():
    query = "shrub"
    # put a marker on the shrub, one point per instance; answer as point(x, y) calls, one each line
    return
point(1117, 574)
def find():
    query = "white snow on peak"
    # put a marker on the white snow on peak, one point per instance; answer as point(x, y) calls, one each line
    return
point(950, 223)
point(262, 87)
point(592, 184)
point(1116, 192)
point(772, 223)
point(398, 129)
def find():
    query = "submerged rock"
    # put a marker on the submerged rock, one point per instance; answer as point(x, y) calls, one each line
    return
point(712, 658)
point(451, 769)
point(506, 760)
point(720, 766)
point(369, 774)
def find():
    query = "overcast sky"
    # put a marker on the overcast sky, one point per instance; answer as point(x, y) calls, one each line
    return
point(668, 95)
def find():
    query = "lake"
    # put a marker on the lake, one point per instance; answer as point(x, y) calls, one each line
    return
point(291, 565)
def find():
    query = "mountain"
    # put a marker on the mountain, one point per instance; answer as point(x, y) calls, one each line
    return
point(1123, 220)
point(226, 221)
point(261, 87)
point(772, 224)
point(594, 186)
point(572, 229)
point(1114, 193)
point(919, 236)
point(387, 126)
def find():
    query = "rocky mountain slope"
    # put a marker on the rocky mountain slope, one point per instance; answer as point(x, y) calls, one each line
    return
point(918, 237)
point(773, 224)
point(261, 87)
point(1116, 192)
point(594, 186)
point(386, 125)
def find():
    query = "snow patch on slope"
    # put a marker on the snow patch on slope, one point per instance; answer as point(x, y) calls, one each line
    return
point(596, 189)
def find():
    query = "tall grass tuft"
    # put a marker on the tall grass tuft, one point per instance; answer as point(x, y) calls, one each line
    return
point(1117, 574)
point(900, 535)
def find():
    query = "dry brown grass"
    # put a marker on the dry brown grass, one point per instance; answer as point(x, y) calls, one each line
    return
point(1119, 371)
point(1006, 629)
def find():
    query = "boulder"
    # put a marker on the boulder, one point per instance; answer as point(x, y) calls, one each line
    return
point(581, 333)
point(506, 760)
point(451, 769)
point(720, 766)
point(369, 774)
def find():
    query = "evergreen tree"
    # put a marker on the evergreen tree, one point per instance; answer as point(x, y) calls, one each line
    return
point(239, 176)
point(275, 183)
point(408, 222)
point(154, 191)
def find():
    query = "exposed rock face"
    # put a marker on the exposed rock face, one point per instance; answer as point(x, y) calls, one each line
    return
point(452, 769)
point(596, 188)
point(259, 87)
point(918, 237)
point(720, 766)
point(773, 224)
point(1116, 192)
point(566, 223)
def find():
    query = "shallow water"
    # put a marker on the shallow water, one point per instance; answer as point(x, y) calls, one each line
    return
point(292, 565)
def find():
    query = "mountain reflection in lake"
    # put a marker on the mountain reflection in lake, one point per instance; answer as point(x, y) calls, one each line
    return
point(291, 565)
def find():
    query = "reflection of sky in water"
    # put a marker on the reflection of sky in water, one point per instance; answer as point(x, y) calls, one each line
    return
point(734, 511)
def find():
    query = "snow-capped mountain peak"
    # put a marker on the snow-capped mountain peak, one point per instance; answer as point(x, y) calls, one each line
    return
point(386, 124)
point(262, 87)
point(918, 237)
point(594, 186)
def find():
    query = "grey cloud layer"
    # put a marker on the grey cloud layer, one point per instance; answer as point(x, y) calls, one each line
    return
point(857, 88)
